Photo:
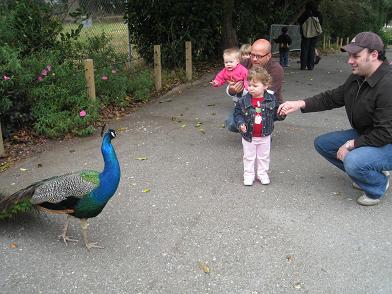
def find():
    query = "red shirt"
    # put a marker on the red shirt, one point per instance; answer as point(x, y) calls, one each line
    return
point(257, 124)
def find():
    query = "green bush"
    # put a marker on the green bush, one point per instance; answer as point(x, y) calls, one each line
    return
point(141, 85)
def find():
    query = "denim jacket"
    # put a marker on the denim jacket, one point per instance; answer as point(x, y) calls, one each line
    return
point(244, 113)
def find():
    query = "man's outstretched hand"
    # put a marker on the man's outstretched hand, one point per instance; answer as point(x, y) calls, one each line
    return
point(290, 106)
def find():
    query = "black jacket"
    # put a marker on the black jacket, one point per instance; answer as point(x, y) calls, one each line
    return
point(368, 105)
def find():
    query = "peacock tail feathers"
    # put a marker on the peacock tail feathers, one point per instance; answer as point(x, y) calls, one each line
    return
point(12, 205)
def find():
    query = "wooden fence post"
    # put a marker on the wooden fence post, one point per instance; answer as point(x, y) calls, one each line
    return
point(329, 42)
point(337, 42)
point(2, 152)
point(157, 67)
point(324, 44)
point(188, 60)
point(341, 42)
point(89, 73)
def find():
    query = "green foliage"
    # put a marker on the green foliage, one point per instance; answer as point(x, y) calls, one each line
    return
point(170, 23)
point(141, 85)
point(30, 26)
point(20, 207)
point(386, 36)
point(58, 100)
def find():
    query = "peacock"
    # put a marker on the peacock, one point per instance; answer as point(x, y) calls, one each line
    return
point(81, 194)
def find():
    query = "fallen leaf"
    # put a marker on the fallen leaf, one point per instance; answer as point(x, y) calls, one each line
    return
point(71, 151)
point(298, 285)
point(122, 129)
point(39, 165)
point(289, 258)
point(23, 169)
point(202, 131)
point(204, 267)
point(198, 124)
point(141, 158)
point(13, 245)
point(146, 190)
point(211, 104)
point(183, 126)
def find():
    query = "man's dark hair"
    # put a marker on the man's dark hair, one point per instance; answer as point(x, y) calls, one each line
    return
point(381, 55)
point(284, 30)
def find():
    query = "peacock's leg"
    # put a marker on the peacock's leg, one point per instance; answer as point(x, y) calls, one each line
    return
point(65, 230)
point(84, 224)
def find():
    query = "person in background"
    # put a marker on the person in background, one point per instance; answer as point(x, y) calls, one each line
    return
point(284, 42)
point(233, 71)
point(245, 52)
point(364, 151)
point(308, 45)
point(254, 116)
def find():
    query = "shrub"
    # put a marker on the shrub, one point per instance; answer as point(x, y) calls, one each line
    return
point(141, 85)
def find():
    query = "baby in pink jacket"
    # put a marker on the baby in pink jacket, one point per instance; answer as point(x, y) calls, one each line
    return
point(233, 71)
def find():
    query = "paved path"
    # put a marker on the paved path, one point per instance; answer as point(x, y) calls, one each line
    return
point(304, 233)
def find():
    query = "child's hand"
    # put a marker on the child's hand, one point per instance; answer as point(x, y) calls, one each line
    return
point(214, 83)
point(243, 128)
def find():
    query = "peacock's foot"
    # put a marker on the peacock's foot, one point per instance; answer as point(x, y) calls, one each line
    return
point(67, 239)
point(93, 245)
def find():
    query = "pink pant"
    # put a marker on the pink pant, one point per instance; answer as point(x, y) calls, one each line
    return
point(256, 155)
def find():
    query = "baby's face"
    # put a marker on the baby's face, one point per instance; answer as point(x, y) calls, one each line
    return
point(230, 61)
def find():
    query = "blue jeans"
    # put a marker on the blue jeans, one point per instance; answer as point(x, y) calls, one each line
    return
point(284, 58)
point(364, 165)
point(230, 124)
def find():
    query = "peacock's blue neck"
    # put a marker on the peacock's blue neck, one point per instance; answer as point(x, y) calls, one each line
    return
point(109, 178)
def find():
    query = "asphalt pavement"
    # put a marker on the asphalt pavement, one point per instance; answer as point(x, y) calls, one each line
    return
point(183, 222)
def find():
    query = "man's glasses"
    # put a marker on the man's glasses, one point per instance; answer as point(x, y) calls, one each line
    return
point(258, 57)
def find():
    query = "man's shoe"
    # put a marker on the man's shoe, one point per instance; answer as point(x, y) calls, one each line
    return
point(248, 182)
point(264, 179)
point(366, 201)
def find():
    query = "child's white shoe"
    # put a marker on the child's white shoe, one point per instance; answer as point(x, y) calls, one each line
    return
point(264, 179)
point(248, 182)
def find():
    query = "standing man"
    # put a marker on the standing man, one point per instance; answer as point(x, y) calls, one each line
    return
point(364, 151)
point(308, 45)
point(260, 56)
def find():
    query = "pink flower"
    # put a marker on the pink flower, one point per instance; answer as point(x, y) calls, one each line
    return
point(82, 113)
point(40, 79)
point(6, 78)
point(113, 71)
point(44, 72)
point(104, 78)
point(49, 67)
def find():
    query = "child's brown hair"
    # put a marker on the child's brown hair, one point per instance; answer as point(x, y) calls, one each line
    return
point(235, 52)
point(259, 74)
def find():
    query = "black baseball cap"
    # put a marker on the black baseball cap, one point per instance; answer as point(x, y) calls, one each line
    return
point(364, 40)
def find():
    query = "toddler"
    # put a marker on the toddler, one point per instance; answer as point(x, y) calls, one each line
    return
point(233, 71)
point(254, 116)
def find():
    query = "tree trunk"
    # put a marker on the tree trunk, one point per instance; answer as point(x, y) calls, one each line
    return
point(229, 34)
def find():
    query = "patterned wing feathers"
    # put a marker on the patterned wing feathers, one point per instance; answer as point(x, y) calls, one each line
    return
point(60, 188)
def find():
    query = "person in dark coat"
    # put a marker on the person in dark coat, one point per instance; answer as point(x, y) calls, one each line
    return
point(308, 45)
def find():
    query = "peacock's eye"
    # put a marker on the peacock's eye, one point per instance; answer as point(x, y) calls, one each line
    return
point(113, 134)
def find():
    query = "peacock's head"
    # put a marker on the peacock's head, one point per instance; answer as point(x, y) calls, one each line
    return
point(112, 133)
